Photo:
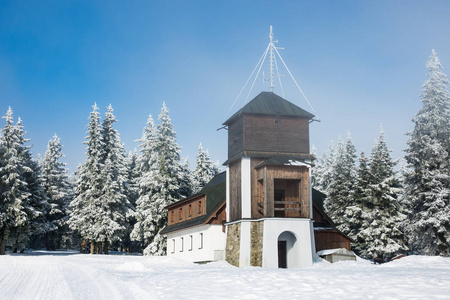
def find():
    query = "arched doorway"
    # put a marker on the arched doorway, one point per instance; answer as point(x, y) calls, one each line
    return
point(286, 249)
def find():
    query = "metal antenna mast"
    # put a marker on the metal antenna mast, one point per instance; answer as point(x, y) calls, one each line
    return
point(272, 50)
point(273, 62)
point(271, 59)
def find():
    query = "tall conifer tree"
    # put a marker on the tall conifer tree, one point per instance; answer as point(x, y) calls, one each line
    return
point(380, 233)
point(354, 212)
point(85, 206)
point(146, 184)
point(323, 169)
point(38, 205)
point(427, 186)
point(205, 170)
point(58, 190)
point(168, 178)
point(113, 202)
point(13, 188)
point(340, 189)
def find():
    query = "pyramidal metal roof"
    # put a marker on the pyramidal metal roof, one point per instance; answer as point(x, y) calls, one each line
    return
point(269, 103)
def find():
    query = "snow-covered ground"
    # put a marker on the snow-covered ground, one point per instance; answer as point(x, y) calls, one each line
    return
point(69, 275)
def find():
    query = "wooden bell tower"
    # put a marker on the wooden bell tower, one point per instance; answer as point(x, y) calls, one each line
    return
point(269, 209)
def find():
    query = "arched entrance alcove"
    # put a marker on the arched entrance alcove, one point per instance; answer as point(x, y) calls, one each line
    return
point(287, 250)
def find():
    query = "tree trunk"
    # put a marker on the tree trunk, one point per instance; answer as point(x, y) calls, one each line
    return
point(15, 250)
point(92, 247)
point(47, 240)
point(99, 247)
point(2, 246)
point(105, 247)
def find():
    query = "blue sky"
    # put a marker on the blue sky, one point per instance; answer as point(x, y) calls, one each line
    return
point(360, 63)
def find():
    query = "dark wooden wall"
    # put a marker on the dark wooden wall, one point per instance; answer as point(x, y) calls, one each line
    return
point(292, 194)
point(235, 191)
point(288, 177)
point(196, 210)
point(236, 137)
point(257, 190)
point(330, 239)
point(268, 133)
point(276, 134)
point(219, 218)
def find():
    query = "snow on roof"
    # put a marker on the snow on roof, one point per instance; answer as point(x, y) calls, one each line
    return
point(334, 251)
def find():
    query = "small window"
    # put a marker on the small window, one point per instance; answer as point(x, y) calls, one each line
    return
point(200, 245)
point(173, 246)
point(180, 213)
point(200, 207)
point(191, 241)
point(190, 210)
point(181, 244)
point(172, 216)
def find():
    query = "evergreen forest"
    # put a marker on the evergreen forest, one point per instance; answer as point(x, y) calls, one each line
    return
point(116, 200)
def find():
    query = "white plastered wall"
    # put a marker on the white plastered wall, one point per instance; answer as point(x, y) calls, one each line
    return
point(300, 255)
point(246, 212)
point(207, 243)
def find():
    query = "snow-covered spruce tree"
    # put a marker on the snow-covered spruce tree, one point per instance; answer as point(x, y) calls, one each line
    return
point(205, 170)
point(39, 206)
point(89, 186)
point(58, 190)
point(168, 178)
point(110, 223)
point(186, 178)
point(380, 231)
point(354, 212)
point(340, 189)
point(133, 175)
point(146, 184)
point(36, 206)
point(427, 184)
point(132, 194)
point(323, 169)
point(13, 188)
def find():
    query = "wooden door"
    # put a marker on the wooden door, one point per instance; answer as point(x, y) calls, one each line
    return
point(282, 254)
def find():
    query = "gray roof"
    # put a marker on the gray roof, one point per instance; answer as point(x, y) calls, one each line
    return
point(215, 191)
point(269, 103)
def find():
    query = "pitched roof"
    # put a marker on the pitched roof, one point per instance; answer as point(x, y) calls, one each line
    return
point(269, 103)
point(215, 193)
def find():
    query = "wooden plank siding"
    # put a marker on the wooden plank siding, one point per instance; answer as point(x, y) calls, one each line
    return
point(236, 137)
point(270, 133)
point(219, 217)
point(330, 239)
point(235, 191)
point(294, 180)
point(291, 188)
point(257, 190)
point(188, 210)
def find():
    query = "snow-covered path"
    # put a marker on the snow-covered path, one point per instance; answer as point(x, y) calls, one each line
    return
point(68, 275)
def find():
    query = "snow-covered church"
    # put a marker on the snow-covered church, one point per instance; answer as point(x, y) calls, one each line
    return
point(262, 210)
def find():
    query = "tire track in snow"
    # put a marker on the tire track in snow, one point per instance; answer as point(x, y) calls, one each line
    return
point(87, 281)
point(30, 277)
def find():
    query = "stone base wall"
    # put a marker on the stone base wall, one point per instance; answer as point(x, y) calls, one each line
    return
point(257, 233)
point(233, 244)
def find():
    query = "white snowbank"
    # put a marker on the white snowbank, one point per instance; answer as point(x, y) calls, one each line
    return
point(68, 275)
